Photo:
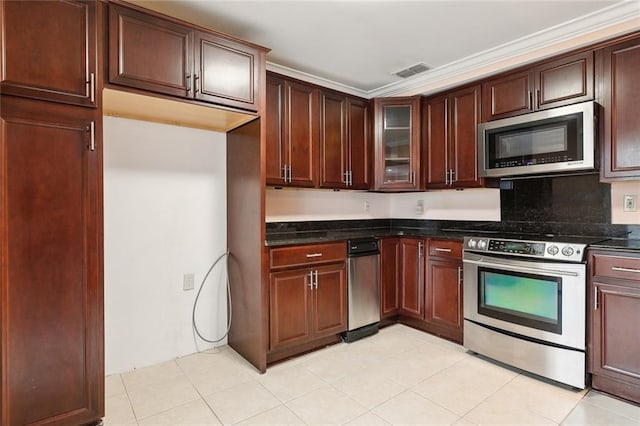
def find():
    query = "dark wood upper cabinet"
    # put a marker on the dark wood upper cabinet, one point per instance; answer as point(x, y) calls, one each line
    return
point(184, 61)
point(397, 144)
point(614, 343)
point(274, 113)
point(292, 132)
point(358, 134)
point(508, 95)
point(564, 81)
point(334, 146)
point(449, 123)
point(49, 50)
point(551, 84)
point(344, 147)
point(51, 289)
point(619, 67)
point(226, 72)
point(166, 68)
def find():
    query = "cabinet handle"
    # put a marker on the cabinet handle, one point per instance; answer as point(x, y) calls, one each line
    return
point(453, 174)
point(284, 174)
point(188, 78)
point(420, 245)
point(350, 178)
point(196, 81)
point(315, 281)
point(310, 276)
point(446, 250)
point(530, 100)
point(596, 302)
point(289, 174)
point(92, 87)
point(92, 136)
point(311, 255)
point(538, 98)
point(621, 269)
point(346, 178)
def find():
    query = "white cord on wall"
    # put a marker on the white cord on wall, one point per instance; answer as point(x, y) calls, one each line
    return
point(195, 302)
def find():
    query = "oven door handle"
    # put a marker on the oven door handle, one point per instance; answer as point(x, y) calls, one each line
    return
point(496, 264)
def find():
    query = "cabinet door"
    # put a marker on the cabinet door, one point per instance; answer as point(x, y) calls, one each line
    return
point(616, 335)
point(397, 144)
point(51, 287)
point(464, 116)
point(276, 148)
point(565, 81)
point(443, 298)
point(333, 140)
point(390, 266)
point(507, 96)
point(301, 133)
point(620, 100)
point(329, 300)
point(359, 144)
point(226, 72)
point(166, 67)
point(436, 137)
point(49, 50)
point(412, 278)
point(289, 311)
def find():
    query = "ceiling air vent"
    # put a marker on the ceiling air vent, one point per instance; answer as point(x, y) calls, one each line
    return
point(412, 70)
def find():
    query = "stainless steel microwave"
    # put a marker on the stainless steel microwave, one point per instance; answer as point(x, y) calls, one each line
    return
point(551, 141)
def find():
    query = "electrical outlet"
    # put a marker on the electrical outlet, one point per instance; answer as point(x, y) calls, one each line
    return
point(188, 281)
point(629, 203)
point(367, 206)
point(419, 207)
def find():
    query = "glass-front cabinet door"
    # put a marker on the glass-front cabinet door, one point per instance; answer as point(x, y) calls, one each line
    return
point(397, 144)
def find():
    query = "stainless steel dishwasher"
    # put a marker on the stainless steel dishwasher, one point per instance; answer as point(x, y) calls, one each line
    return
point(363, 278)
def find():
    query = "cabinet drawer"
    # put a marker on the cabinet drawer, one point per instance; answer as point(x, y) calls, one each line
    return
point(284, 257)
point(627, 268)
point(445, 248)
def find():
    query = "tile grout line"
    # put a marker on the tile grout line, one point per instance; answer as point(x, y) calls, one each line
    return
point(202, 398)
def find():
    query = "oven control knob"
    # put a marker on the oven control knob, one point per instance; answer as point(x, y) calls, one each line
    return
point(552, 250)
point(482, 244)
point(567, 251)
point(472, 243)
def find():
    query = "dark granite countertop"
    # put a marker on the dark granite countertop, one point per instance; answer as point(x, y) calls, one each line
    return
point(619, 237)
point(623, 244)
point(289, 238)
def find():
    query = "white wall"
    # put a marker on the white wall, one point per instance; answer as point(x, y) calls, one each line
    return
point(290, 205)
point(164, 216)
point(618, 191)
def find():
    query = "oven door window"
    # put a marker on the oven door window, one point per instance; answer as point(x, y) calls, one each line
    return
point(531, 300)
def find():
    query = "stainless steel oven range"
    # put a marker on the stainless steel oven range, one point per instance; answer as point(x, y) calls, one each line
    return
point(525, 305)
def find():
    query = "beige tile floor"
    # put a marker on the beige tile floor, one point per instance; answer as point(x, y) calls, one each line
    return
point(399, 376)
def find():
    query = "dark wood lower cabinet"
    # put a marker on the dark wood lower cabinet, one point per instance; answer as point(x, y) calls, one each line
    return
point(390, 268)
point(614, 348)
point(421, 285)
point(412, 278)
point(51, 294)
point(307, 303)
point(443, 298)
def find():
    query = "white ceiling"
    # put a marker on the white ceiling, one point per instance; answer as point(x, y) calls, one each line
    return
point(356, 46)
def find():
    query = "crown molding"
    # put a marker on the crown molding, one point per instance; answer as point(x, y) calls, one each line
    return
point(310, 78)
point(615, 20)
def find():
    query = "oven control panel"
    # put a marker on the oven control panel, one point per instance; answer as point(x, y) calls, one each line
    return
point(535, 249)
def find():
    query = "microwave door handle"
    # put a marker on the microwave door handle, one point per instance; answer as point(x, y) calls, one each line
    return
point(515, 268)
